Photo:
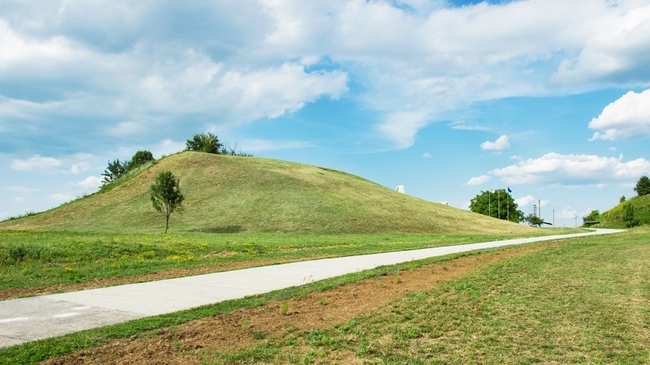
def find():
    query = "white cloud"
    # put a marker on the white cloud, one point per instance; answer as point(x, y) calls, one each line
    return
point(91, 182)
point(401, 127)
point(478, 180)
point(36, 163)
point(568, 213)
point(616, 49)
point(624, 119)
point(426, 155)
point(167, 147)
point(525, 201)
point(462, 125)
point(613, 149)
point(554, 168)
point(60, 197)
point(500, 144)
point(126, 128)
point(21, 189)
point(515, 157)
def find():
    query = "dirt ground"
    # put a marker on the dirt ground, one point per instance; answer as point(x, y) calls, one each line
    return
point(188, 343)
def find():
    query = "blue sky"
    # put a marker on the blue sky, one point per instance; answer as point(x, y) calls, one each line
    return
point(548, 97)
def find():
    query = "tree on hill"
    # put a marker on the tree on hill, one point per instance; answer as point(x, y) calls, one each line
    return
point(593, 216)
point(139, 159)
point(534, 220)
point(497, 204)
point(166, 195)
point(204, 142)
point(642, 186)
point(117, 168)
point(114, 171)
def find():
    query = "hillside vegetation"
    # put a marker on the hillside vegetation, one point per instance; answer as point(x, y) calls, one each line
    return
point(613, 218)
point(234, 194)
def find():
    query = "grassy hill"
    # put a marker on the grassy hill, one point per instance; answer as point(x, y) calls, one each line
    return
point(233, 194)
point(613, 218)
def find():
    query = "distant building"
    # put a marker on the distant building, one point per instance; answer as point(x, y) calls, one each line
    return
point(400, 189)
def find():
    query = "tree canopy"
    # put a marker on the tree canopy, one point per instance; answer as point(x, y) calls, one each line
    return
point(166, 195)
point(204, 142)
point(497, 204)
point(642, 186)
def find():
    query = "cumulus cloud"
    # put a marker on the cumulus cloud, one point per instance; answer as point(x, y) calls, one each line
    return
point(525, 201)
point(478, 180)
point(616, 51)
point(624, 119)
point(91, 182)
point(60, 197)
point(167, 147)
point(401, 127)
point(426, 155)
point(500, 144)
point(36, 162)
point(555, 168)
point(74, 164)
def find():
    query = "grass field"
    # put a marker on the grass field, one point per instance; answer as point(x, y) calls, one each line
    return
point(580, 301)
point(55, 259)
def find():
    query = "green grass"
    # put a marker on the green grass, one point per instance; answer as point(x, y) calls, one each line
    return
point(585, 302)
point(613, 218)
point(230, 194)
point(43, 259)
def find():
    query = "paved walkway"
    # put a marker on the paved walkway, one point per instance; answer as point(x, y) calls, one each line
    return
point(29, 319)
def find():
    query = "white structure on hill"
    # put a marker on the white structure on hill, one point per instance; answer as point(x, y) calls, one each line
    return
point(400, 189)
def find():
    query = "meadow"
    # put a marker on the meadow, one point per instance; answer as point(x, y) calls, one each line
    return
point(574, 301)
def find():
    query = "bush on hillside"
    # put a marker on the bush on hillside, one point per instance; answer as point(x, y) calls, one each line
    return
point(204, 142)
point(642, 186)
point(118, 169)
point(628, 216)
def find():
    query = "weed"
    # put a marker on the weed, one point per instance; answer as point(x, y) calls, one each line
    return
point(284, 308)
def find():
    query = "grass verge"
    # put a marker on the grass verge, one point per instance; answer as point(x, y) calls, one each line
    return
point(56, 260)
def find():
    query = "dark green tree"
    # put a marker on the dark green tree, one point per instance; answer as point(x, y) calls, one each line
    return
point(642, 186)
point(628, 216)
point(166, 195)
point(139, 159)
point(497, 204)
point(593, 216)
point(114, 171)
point(622, 199)
point(534, 220)
point(204, 142)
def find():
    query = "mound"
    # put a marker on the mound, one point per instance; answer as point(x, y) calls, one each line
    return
point(613, 218)
point(233, 194)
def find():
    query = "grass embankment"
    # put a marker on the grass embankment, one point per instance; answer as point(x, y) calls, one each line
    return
point(581, 301)
point(229, 194)
point(613, 218)
point(40, 262)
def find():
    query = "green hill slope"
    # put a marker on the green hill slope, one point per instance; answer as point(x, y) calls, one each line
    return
point(613, 218)
point(232, 194)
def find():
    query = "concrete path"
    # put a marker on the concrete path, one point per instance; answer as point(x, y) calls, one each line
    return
point(29, 319)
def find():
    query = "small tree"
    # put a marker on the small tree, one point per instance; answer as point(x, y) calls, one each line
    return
point(114, 171)
point(534, 220)
point(166, 196)
point(642, 186)
point(204, 142)
point(628, 216)
point(593, 216)
point(622, 199)
point(139, 159)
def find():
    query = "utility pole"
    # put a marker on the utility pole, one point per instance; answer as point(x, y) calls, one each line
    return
point(553, 217)
point(539, 206)
point(575, 216)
